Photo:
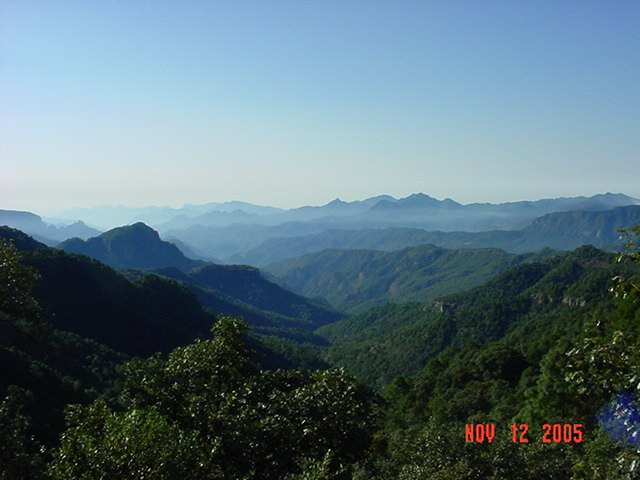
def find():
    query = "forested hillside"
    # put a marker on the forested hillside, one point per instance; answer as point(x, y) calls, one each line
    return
point(307, 240)
point(144, 312)
point(242, 291)
point(553, 341)
point(576, 369)
point(355, 279)
point(540, 297)
point(192, 413)
point(147, 304)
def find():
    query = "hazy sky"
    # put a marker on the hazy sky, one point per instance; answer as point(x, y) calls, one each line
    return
point(290, 103)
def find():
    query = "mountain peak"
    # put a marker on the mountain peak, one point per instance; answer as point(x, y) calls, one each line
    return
point(131, 246)
point(138, 231)
point(614, 196)
point(21, 240)
point(419, 200)
point(139, 226)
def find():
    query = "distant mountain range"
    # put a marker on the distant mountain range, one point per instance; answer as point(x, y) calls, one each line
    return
point(232, 240)
point(416, 210)
point(240, 232)
point(45, 232)
point(559, 231)
point(109, 216)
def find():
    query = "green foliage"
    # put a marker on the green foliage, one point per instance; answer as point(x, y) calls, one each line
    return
point(53, 368)
point(531, 304)
point(321, 469)
point(600, 368)
point(562, 362)
point(21, 455)
point(83, 296)
point(543, 342)
point(16, 283)
point(627, 287)
point(244, 422)
point(136, 444)
point(439, 452)
point(271, 352)
point(224, 289)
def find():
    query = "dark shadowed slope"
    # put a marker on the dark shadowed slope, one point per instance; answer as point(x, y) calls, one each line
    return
point(242, 291)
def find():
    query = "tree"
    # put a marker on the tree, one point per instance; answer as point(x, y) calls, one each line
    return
point(16, 282)
point(627, 286)
point(605, 368)
point(21, 455)
point(207, 412)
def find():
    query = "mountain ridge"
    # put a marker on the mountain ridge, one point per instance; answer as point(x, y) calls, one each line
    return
point(157, 216)
point(391, 340)
point(558, 230)
point(46, 233)
point(355, 279)
point(132, 246)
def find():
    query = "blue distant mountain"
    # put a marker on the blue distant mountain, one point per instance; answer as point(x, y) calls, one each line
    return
point(45, 232)
point(134, 246)
point(559, 230)
point(231, 229)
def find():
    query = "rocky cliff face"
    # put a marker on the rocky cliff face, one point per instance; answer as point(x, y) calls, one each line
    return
point(574, 302)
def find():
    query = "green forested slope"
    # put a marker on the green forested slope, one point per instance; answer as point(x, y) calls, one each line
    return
point(88, 298)
point(204, 411)
point(355, 279)
point(141, 313)
point(43, 369)
point(242, 291)
point(400, 339)
point(545, 342)
point(56, 308)
point(576, 370)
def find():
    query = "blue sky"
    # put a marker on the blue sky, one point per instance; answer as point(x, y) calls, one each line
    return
point(291, 103)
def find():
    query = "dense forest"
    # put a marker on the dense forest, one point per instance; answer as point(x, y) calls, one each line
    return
point(354, 280)
point(107, 374)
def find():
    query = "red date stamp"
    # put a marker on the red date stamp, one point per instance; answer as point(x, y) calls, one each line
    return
point(551, 433)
